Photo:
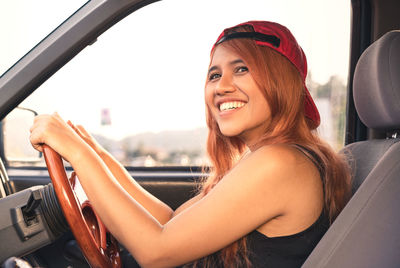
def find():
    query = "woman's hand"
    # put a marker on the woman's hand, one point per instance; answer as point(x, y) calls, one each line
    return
point(56, 133)
point(89, 139)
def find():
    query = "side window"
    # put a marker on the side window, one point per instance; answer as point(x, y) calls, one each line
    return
point(140, 88)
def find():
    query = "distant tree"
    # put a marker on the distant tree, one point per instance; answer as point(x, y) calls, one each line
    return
point(335, 90)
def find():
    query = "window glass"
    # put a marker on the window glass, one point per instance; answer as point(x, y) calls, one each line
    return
point(24, 23)
point(139, 88)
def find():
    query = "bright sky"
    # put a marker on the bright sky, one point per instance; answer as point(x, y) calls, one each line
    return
point(149, 69)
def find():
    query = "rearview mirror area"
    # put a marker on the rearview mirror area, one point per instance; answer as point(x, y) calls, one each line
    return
point(17, 148)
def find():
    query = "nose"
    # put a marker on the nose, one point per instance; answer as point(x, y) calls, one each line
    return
point(225, 85)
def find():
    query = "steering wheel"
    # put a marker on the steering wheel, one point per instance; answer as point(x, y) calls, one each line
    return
point(99, 247)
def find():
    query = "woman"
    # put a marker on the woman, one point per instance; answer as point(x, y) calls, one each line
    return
point(274, 188)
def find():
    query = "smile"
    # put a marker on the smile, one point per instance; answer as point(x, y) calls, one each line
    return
point(225, 106)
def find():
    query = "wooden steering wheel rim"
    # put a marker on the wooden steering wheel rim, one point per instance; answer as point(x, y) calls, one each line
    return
point(81, 217)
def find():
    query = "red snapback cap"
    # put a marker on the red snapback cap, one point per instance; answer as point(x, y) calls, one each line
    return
point(280, 39)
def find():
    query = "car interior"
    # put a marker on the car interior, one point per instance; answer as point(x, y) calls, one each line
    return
point(365, 234)
point(353, 240)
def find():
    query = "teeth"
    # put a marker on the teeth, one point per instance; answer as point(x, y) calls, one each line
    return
point(230, 105)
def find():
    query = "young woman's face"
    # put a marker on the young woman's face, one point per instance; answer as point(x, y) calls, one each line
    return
point(234, 98)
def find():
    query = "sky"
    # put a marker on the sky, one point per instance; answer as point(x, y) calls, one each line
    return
point(148, 71)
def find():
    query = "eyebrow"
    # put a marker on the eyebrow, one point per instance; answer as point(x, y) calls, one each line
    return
point(231, 63)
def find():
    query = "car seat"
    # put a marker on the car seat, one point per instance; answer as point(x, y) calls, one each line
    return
point(367, 232)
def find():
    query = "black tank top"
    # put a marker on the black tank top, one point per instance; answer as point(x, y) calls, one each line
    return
point(285, 251)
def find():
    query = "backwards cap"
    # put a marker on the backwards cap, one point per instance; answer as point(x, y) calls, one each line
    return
point(280, 39)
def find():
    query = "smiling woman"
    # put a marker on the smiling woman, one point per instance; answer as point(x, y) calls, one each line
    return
point(264, 154)
point(272, 187)
point(267, 78)
point(173, 132)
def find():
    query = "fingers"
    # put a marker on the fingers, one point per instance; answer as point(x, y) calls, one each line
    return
point(83, 130)
point(38, 147)
point(86, 136)
point(79, 130)
point(73, 127)
point(70, 124)
point(38, 131)
point(44, 127)
point(55, 132)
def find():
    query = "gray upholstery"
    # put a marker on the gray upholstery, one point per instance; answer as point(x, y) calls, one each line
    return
point(376, 83)
point(367, 232)
point(363, 156)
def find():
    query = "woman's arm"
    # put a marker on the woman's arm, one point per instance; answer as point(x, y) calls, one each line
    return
point(268, 183)
point(161, 211)
point(188, 204)
point(236, 206)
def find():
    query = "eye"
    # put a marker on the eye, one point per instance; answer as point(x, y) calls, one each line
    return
point(242, 69)
point(214, 76)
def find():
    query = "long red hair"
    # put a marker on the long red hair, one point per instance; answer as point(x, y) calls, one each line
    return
point(282, 87)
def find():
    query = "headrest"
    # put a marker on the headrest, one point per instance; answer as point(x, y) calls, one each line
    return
point(376, 84)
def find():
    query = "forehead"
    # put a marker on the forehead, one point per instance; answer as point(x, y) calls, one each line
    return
point(223, 54)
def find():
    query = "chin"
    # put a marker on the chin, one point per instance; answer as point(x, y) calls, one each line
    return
point(230, 132)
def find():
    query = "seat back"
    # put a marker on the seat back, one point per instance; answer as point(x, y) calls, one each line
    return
point(367, 232)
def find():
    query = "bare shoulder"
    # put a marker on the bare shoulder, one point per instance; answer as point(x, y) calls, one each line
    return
point(265, 168)
point(277, 158)
point(276, 152)
point(296, 184)
point(287, 170)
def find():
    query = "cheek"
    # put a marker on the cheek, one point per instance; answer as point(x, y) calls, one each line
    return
point(261, 107)
point(209, 95)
